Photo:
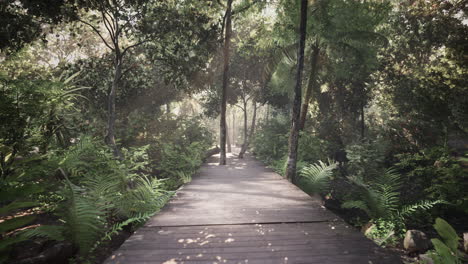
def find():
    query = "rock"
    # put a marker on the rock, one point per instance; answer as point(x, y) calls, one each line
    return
point(416, 241)
point(465, 242)
point(426, 259)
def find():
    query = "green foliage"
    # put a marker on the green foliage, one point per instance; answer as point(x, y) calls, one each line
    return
point(317, 176)
point(435, 174)
point(15, 196)
point(446, 249)
point(384, 231)
point(98, 189)
point(365, 159)
point(270, 141)
point(380, 197)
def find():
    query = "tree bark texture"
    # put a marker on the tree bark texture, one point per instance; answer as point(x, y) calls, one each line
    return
point(110, 136)
point(363, 124)
point(248, 135)
point(228, 140)
point(311, 83)
point(222, 126)
point(244, 144)
point(294, 132)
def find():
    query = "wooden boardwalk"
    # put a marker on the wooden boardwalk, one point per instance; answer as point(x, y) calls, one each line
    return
point(246, 213)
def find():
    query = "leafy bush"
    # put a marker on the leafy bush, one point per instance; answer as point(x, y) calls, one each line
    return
point(271, 145)
point(365, 159)
point(311, 148)
point(271, 141)
point(433, 173)
point(384, 232)
point(380, 199)
point(99, 192)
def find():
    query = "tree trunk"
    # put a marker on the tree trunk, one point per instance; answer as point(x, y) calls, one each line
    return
point(244, 144)
point(252, 126)
point(268, 115)
point(228, 140)
point(233, 127)
point(363, 125)
point(294, 132)
point(168, 108)
point(249, 137)
point(110, 136)
point(222, 126)
point(310, 86)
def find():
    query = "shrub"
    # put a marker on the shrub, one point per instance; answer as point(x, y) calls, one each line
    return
point(433, 173)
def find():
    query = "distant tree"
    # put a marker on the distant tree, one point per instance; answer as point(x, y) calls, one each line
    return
point(126, 25)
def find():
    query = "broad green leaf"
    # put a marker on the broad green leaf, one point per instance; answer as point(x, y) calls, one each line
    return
point(444, 254)
point(448, 234)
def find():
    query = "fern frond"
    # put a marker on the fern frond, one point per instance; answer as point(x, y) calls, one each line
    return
point(357, 205)
point(407, 210)
point(54, 232)
point(318, 175)
point(83, 219)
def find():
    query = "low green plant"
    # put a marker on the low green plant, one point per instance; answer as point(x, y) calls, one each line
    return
point(435, 174)
point(379, 198)
point(101, 192)
point(445, 249)
point(383, 231)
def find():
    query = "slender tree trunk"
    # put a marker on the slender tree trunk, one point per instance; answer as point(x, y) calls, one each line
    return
point(222, 126)
point(253, 124)
point(233, 127)
point(228, 140)
point(168, 108)
point(268, 114)
point(244, 144)
point(252, 129)
point(110, 136)
point(294, 132)
point(363, 124)
point(310, 86)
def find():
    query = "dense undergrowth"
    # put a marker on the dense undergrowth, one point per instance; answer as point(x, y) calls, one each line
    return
point(60, 182)
point(371, 183)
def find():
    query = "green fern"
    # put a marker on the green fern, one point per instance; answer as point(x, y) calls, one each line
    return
point(408, 210)
point(53, 232)
point(83, 220)
point(379, 198)
point(318, 176)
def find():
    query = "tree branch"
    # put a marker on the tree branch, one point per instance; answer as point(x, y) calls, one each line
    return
point(244, 8)
point(240, 107)
point(134, 45)
point(97, 32)
point(108, 26)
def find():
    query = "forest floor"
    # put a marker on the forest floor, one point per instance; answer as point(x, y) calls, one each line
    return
point(246, 213)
